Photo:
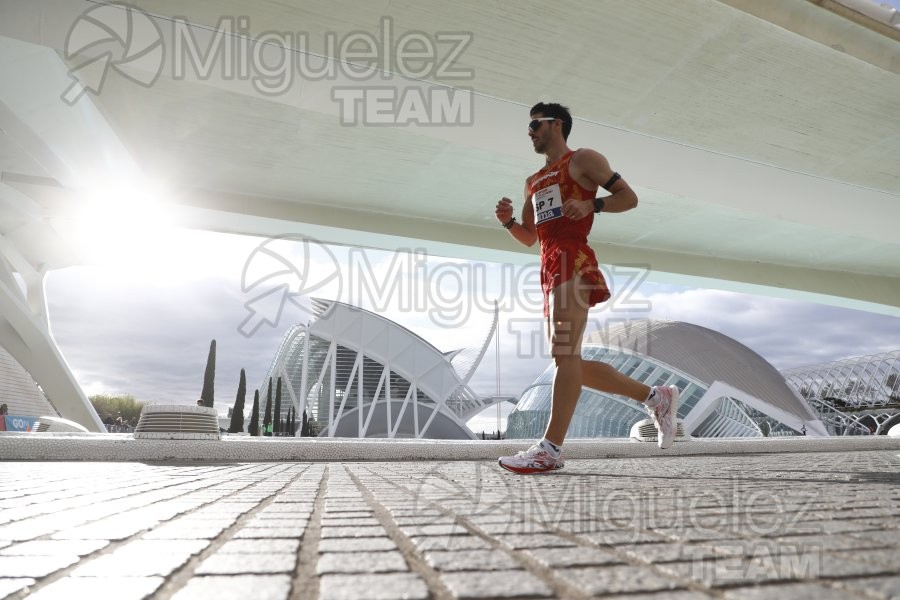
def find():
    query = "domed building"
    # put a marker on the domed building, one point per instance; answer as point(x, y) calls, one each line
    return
point(727, 389)
point(358, 374)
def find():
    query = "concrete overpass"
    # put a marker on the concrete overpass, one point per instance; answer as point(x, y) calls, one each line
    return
point(762, 137)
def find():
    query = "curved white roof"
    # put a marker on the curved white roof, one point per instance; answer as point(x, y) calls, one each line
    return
point(706, 355)
point(407, 353)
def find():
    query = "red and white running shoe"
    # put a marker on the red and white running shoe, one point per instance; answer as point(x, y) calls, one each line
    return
point(533, 460)
point(664, 415)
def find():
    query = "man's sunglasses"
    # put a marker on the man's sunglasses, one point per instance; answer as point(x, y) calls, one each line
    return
point(535, 123)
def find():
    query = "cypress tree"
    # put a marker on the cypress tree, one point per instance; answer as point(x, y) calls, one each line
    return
point(304, 427)
point(267, 418)
point(209, 376)
point(278, 417)
point(254, 415)
point(293, 422)
point(237, 413)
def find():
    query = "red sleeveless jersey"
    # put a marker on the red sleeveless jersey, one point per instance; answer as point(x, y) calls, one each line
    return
point(548, 188)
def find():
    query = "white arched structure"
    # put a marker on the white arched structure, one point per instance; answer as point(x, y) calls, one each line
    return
point(358, 374)
point(26, 337)
point(861, 392)
point(728, 390)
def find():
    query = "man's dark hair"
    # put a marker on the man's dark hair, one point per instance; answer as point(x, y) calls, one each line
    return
point(557, 111)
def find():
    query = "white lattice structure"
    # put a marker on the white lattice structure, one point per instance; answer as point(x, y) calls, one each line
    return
point(854, 394)
point(728, 390)
point(358, 374)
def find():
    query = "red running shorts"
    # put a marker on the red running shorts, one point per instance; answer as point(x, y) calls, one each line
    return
point(561, 261)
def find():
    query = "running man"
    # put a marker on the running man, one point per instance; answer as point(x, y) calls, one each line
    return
point(558, 212)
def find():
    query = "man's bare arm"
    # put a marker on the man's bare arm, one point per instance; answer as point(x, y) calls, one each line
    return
point(524, 232)
point(592, 170)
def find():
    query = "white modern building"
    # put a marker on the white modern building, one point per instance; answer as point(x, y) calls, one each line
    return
point(728, 390)
point(358, 374)
point(22, 396)
point(859, 394)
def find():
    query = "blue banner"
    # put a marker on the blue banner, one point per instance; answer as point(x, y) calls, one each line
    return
point(16, 423)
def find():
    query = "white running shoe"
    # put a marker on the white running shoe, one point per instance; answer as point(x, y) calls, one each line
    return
point(664, 415)
point(533, 460)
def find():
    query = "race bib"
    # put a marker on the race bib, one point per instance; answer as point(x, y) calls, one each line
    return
point(547, 203)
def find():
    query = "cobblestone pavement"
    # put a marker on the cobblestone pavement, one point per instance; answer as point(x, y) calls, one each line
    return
point(816, 525)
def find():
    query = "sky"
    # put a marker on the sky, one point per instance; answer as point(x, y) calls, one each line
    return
point(140, 321)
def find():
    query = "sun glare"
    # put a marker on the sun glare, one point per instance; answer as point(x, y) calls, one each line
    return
point(121, 223)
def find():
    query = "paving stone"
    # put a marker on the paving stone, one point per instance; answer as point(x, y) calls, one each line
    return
point(247, 564)
point(626, 537)
point(117, 527)
point(100, 588)
point(471, 560)
point(442, 529)
point(824, 542)
point(667, 595)
point(512, 528)
point(54, 547)
point(282, 516)
point(143, 558)
point(361, 562)
point(347, 513)
point(495, 584)
point(237, 587)
point(288, 507)
point(34, 566)
point(534, 540)
point(299, 524)
point(888, 558)
point(886, 588)
point(10, 585)
point(667, 552)
point(264, 546)
point(577, 556)
point(886, 538)
point(293, 532)
point(723, 572)
point(352, 532)
point(449, 542)
point(194, 531)
point(346, 507)
point(388, 586)
point(354, 522)
point(616, 579)
point(794, 591)
point(680, 535)
point(356, 545)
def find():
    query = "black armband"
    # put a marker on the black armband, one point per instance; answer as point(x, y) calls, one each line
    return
point(615, 177)
point(510, 223)
point(599, 203)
